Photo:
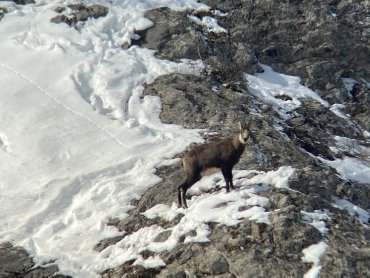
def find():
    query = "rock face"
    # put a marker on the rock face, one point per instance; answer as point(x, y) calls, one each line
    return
point(15, 262)
point(326, 44)
point(182, 37)
point(319, 42)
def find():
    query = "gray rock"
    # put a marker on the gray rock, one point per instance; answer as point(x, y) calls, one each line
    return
point(175, 39)
point(79, 13)
point(163, 236)
point(128, 271)
point(15, 262)
point(214, 264)
point(24, 2)
point(181, 38)
point(3, 11)
point(177, 274)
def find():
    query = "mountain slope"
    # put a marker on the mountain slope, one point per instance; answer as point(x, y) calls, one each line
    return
point(301, 204)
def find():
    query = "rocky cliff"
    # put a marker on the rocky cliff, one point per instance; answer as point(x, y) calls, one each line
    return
point(326, 44)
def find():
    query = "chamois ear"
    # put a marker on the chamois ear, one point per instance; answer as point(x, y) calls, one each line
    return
point(240, 126)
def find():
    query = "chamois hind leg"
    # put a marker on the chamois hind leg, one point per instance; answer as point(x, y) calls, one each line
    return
point(180, 193)
point(183, 188)
point(228, 176)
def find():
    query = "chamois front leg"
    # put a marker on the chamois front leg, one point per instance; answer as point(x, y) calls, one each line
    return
point(228, 176)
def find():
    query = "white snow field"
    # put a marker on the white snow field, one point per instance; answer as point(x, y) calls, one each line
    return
point(77, 142)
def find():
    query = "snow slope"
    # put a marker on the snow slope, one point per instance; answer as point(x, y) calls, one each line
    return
point(77, 141)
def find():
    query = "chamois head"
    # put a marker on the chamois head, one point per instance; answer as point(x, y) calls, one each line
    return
point(244, 131)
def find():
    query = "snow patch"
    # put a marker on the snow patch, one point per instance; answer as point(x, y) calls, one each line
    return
point(356, 165)
point(351, 168)
point(221, 208)
point(362, 215)
point(352, 146)
point(280, 129)
point(282, 91)
point(337, 110)
point(349, 83)
point(317, 219)
point(209, 23)
point(312, 254)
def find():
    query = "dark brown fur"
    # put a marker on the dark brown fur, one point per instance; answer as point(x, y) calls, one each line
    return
point(223, 154)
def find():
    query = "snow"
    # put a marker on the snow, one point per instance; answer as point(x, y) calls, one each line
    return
point(312, 254)
point(77, 141)
point(351, 145)
point(209, 23)
point(317, 219)
point(362, 215)
point(348, 84)
point(313, 272)
point(351, 168)
point(337, 108)
point(220, 207)
point(282, 91)
point(355, 167)
point(280, 129)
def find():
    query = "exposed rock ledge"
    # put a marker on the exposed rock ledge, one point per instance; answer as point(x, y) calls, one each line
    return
point(320, 42)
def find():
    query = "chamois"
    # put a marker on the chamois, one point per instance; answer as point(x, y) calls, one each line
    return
point(222, 154)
